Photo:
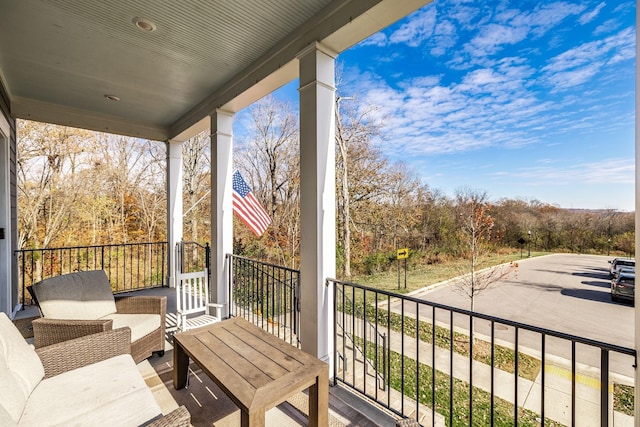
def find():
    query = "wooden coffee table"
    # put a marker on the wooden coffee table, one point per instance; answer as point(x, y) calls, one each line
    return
point(254, 368)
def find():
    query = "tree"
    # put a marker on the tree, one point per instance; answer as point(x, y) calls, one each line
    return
point(196, 167)
point(403, 187)
point(355, 156)
point(476, 225)
point(626, 243)
point(128, 165)
point(48, 171)
point(269, 160)
point(150, 194)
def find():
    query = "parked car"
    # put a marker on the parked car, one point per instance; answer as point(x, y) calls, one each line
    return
point(623, 287)
point(618, 263)
point(623, 269)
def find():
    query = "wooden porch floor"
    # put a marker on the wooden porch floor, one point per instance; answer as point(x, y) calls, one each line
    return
point(209, 406)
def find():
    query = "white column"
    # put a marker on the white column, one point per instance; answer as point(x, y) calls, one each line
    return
point(8, 293)
point(637, 223)
point(174, 205)
point(317, 199)
point(221, 205)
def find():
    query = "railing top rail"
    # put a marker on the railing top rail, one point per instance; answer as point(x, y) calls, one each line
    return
point(89, 246)
point(280, 267)
point(200, 245)
point(549, 332)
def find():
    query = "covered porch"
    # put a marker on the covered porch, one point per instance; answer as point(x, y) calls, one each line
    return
point(166, 73)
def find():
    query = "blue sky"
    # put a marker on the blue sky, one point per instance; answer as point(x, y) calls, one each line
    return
point(521, 99)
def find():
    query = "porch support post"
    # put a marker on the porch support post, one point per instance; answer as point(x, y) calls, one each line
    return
point(174, 206)
point(9, 300)
point(317, 199)
point(221, 205)
point(637, 227)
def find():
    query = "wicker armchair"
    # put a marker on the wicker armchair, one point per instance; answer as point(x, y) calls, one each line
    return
point(87, 381)
point(92, 289)
point(87, 350)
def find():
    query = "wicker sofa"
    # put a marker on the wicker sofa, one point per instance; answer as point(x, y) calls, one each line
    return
point(88, 381)
point(77, 304)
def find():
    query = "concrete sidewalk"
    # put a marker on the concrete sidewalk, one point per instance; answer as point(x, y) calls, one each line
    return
point(557, 379)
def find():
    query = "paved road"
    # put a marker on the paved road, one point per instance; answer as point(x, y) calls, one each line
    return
point(563, 292)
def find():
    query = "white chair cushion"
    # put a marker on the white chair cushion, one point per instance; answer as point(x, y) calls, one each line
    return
point(20, 371)
point(140, 324)
point(108, 393)
point(85, 295)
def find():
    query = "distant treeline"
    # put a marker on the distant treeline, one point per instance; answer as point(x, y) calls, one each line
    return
point(431, 231)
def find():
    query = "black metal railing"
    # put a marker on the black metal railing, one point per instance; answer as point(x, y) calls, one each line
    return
point(193, 256)
point(453, 366)
point(267, 295)
point(129, 266)
point(368, 333)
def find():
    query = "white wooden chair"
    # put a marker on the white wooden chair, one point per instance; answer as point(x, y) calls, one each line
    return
point(192, 301)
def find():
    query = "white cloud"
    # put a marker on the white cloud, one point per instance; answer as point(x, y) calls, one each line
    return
point(444, 37)
point(579, 65)
point(606, 171)
point(590, 16)
point(574, 77)
point(511, 27)
point(546, 16)
point(420, 26)
point(378, 39)
point(623, 46)
point(576, 57)
point(464, 15)
point(608, 26)
point(491, 38)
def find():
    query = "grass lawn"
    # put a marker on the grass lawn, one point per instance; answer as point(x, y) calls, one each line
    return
point(424, 275)
point(450, 396)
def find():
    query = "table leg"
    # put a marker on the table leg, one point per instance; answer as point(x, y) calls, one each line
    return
point(319, 401)
point(180, 367)
point(253, 419)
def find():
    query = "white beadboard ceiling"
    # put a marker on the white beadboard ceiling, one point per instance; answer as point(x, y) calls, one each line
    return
point(59, 58)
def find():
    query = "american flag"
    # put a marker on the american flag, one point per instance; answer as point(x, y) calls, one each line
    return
point(247, 207)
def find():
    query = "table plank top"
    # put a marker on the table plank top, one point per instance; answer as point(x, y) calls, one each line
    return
point(254, 368)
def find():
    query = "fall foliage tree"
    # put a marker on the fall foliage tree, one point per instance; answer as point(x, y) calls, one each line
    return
point(476, 226)
point(50, 176)
point(77, 187)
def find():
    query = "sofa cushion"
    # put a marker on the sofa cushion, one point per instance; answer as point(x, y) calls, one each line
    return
point(140, 324)
point(85, 295)
point(110, 393)
point(20, 371)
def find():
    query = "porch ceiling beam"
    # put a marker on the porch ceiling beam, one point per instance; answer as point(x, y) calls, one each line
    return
point(31, 109)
